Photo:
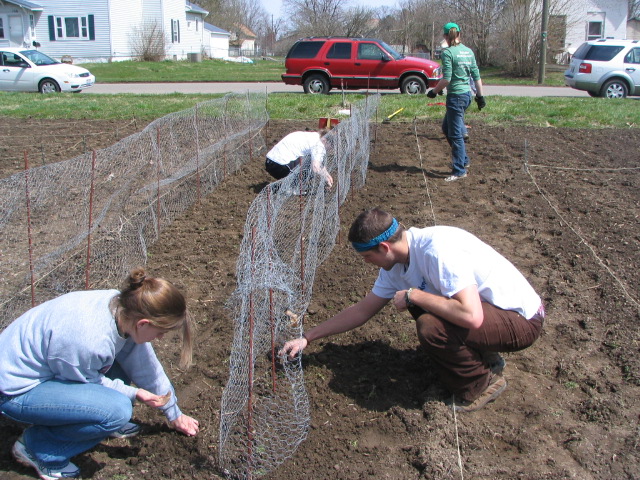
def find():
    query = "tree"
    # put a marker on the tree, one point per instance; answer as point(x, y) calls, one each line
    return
point(477, 19)
point(359, 22)
point(148, 42)
point(316, 17)
point(634, 9)
point(228, 14)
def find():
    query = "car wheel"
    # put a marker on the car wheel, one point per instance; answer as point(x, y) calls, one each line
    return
point(48, 86)
point(413, 85)
point(614, 89)
point(316, 84)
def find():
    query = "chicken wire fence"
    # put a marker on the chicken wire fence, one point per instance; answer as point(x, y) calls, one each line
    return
point(291, 228)
point(87, 221)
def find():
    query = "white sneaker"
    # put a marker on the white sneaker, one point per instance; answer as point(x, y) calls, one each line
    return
point(130, 429)
point(453, 178)
point(22, 455)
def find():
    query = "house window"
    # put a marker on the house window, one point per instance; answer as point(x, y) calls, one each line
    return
point(175, 31)
point(1, 28)
point(594, 30)
point(72, 28)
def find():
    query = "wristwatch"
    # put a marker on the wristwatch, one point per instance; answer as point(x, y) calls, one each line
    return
point(407, 299)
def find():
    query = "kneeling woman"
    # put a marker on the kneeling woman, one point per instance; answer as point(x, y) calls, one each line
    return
point(66, 367)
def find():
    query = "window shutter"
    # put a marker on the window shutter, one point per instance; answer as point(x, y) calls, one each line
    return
point(173, 37)
point(52, 29)
point(178, 22)
point(92, 30)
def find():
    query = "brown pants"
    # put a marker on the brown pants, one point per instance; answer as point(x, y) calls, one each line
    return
point(457, 352)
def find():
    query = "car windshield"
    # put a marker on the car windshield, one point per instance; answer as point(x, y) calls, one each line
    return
point(38, 58)
point(391, 51)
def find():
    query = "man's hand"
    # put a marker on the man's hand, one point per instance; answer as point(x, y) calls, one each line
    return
point(187, 425)
point(432, 93)
point(329, 180)
point(151, 399)
point(400, 300)
point(481, 102)
point(293, 347)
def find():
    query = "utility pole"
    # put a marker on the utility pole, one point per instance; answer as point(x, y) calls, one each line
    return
point(543, 41)
point(433, 40)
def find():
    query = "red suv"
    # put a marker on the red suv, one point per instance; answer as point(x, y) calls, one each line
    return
point(322, 63)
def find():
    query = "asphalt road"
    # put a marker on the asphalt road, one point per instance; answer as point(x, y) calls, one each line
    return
point(240, 87)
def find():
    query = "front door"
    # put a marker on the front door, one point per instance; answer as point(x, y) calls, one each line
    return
point(16, 31)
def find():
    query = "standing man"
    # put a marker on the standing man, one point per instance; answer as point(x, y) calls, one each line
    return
point(458, 69)
point(469, 302)
point(289, 152)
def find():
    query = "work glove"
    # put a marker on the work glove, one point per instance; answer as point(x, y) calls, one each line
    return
point(431, 93)
point(481, 102)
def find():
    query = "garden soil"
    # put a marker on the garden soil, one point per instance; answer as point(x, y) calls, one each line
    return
point(562, 204)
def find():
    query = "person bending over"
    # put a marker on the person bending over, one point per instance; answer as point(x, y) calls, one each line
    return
point(289, 152)
point(469, 302)
point(66, 366)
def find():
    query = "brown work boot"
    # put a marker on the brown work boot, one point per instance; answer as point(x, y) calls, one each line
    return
point(497, 384)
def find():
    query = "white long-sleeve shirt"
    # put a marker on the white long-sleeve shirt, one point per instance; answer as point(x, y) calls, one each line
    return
point(74, 337)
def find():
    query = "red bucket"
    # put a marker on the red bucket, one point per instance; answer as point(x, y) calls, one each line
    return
point(328, 122)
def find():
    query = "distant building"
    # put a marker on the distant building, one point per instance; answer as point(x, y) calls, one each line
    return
point(218, 46)
point(242, 41)
point(101, 30)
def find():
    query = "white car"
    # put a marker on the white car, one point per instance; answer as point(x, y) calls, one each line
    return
point(32, 71)
point(606, 68)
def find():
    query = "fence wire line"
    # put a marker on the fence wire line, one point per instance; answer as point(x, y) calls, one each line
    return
point(291, 228)
point(576, 231)
point(424, 175)
point(89, 225)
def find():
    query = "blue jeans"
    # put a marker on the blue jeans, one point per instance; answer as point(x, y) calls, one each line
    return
point(454, 129)
point(67, 418)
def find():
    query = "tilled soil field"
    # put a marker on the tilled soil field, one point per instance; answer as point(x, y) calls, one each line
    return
point(562, 204)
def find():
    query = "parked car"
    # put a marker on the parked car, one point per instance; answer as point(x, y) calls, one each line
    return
point(606, 68)
point(322, 63)
point(32, 71)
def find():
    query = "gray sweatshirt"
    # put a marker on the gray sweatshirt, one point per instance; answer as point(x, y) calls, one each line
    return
point(74, 337)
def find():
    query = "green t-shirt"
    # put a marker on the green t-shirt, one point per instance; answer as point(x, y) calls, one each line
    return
point(458, 64)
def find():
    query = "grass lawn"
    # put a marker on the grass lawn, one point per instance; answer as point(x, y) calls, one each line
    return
point(576, 112)
point(259, 71)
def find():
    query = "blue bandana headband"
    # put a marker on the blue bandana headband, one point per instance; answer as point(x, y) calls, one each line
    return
point(363, 247)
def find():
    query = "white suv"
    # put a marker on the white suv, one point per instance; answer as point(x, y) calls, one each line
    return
point(606, 68)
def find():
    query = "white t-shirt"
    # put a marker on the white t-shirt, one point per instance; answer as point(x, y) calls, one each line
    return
point(298, 144)
point(446, 260)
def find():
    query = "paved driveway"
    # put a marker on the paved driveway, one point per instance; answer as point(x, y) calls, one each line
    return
point(160, 88)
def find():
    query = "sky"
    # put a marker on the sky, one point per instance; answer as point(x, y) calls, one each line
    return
point(273, 6)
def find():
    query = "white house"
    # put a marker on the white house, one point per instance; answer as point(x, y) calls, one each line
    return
point(633, 29)
point(589, 20)
point(218, 45)
point(17, 22)
point(243, 40)
point(101, 30)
